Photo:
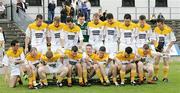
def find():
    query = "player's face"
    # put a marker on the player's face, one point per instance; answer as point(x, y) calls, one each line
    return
point(34, 53)
point(74, 53)
point(70, 24)
point(81, 19)
point(146, 51)
point(126, 55)
point(142, 22)
point(49, 56)
point(101, 54)
point(89, 49)
point(39, 22)
point(16, 47)
point(127, 22)
point(96, 19)
point(56, 24)
point(110, 21)
point(160, 25)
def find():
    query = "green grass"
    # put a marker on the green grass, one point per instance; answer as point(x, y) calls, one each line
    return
point(173, 86)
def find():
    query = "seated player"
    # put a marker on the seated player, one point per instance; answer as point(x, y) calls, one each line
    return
point(89, 67)
point(107, 68)
point(145, 63)
point(33, 60)
point(125, 60)
point(52, 63)
point(74, 58)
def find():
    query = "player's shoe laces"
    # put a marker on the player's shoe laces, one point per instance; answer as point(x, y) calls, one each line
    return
point(155, 78)
point(133, 83)
point(165, 80)
point(122, 84)
point(116, 83)
point(59, 84)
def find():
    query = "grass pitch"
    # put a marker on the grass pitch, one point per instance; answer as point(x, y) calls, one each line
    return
point(173, 86)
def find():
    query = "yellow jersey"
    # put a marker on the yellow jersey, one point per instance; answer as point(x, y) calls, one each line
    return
point(68, 53)
point(37, 34)
point(103, 59)
point(55, 58)
point(122, 56)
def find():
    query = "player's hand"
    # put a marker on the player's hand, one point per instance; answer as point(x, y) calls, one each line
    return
point(26, 50)
point(167, 51)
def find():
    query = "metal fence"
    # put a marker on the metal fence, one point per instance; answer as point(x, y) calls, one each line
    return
point(21, 18)
point(168, 12)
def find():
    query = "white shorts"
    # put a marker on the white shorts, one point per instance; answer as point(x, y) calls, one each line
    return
point(53, 69)
point(14, 71)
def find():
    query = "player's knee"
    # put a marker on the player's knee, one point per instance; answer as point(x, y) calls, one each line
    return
point(140, 64)
point(66, 70)
point(41, 70)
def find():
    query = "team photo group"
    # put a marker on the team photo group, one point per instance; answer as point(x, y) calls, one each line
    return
point(111, 52)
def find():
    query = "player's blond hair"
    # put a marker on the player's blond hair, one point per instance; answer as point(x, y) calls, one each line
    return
point(57, 19)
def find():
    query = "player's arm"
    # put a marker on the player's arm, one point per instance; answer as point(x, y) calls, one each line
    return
point(27, 39)
point(62, 39)
point(48, 36)
point(172, 41)
point(81, 40)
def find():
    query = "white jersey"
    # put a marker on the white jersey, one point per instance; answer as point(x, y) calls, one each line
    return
point(127, 36)
point(95, 35)
point(71, 36)
point(10, 58)
point(110, 35)
point(166, 36)
point(37, 34)
point(143, 35)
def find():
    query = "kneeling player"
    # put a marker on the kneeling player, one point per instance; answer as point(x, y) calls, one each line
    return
point(13, 60)
point(125, 60)
point(52, 64)
point(145, 63)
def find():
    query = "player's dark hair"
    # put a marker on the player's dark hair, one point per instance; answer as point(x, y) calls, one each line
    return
point(146, 46)
point(39, 16)
point(142, 17)
point(14, 42)
point(89, 45)
point(69, 19)
point(160, 20)
point(80, 15)
point(127, 16)
point(102, 48)
point(128, 50)
point(109, 16)
point(74, 49)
